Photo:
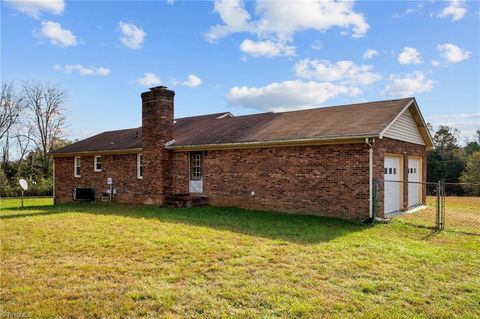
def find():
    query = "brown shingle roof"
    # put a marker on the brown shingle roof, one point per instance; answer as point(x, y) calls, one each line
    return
point(355, 120)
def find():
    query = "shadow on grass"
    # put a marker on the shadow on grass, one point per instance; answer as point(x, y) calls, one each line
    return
point(280, 226)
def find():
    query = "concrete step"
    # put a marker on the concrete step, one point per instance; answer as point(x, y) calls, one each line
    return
point(185, 200)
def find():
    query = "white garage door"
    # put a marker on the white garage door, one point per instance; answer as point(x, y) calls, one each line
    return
point(393, 186)
point(414, 179)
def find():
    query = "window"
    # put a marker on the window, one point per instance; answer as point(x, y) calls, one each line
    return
point(195, 166)
point(97, 164)
point(76, 170)
point(139, 166)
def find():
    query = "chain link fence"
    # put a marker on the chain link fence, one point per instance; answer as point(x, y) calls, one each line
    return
point(461, 207)
point(435, 205)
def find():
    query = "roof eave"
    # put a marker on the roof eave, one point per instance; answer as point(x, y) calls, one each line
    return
point(275, 143)
point(99, 152)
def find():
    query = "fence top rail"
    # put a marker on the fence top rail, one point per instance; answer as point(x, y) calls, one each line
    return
point(470, 184)
point(408, 182)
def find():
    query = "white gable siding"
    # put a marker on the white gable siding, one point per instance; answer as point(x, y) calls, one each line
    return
point(405, 129)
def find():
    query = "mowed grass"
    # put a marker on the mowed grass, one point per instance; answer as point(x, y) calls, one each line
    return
point(6, 203)
point(461, 214)
point(100, 261)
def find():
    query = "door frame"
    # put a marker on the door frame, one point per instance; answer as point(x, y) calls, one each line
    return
point(202, 157)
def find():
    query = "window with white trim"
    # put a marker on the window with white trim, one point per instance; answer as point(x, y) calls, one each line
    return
point(97, 164)
point(76, 167)
point(139, 166)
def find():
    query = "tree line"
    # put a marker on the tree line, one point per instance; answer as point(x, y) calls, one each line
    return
point(32, 123)
point(451, 163)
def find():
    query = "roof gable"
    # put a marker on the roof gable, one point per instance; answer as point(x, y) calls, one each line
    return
point(409, 126)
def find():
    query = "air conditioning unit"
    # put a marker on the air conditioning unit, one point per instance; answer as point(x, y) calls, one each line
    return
point(84, 194)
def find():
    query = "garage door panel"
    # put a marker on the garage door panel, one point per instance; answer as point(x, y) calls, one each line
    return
point(414, 182)
point(393, 184)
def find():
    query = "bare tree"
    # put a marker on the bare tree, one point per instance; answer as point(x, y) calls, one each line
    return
point(46, 105)
point(24, 141)
point(10, 109)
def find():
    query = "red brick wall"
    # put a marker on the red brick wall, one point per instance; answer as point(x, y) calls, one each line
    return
point(329, 180)
point(404, 149)
point(122, 168)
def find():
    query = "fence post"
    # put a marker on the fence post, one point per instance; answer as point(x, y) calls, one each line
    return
point(438, 190)
point(443, 204)
point(374, 199)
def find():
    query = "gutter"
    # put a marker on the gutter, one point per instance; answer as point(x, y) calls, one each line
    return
point(105, 152)
point(290, 142)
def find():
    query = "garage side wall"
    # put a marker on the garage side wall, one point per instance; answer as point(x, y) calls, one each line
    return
point(328, 180)
point(122, 168)
point(403, 149)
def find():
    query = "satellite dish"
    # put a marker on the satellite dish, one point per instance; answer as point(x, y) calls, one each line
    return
point(23, 184)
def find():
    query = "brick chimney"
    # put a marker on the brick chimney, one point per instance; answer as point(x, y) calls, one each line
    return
point(157, 129)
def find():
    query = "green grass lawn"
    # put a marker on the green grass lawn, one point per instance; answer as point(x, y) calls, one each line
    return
point(100, 261)
point(7, 203)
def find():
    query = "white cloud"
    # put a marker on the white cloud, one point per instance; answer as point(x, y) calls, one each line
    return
point(453, 54)
point(410, 56)
point(284, 18)
point(192, 81)
point(410, 84)
point(267, 48)
point(132, 35)
point(435, 63)
point(234, 16)
point(287, 95)
point(416, 8)
point(455, 9)
point(316, 45)
point(35, 8)
point(70, 68)
point(57, 34)
point(370, 53)
point(466, 123)
point(148, 79)
point(171, 2)
point(345, 72)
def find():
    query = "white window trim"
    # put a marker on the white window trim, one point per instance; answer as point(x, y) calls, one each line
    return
point(95, 163)
point(75, 166)
point(138, 166)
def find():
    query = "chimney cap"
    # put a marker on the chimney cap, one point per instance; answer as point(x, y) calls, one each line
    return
point(160, 87)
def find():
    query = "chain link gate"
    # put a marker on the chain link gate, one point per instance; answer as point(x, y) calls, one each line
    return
point(440, 205)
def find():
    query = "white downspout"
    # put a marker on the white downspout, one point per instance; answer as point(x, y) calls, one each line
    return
point(370, 178)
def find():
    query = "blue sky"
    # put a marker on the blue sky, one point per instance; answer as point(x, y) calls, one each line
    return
point(245, 57)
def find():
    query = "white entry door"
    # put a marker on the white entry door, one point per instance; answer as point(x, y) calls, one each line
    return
point(414, 179)
point(393, 184)
point(196, 172)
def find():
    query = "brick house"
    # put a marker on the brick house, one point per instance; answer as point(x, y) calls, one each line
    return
point(317, 161)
